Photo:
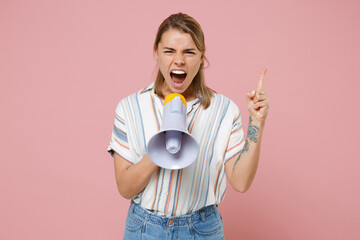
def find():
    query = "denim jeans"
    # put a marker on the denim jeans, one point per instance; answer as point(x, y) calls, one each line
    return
point(143, 224)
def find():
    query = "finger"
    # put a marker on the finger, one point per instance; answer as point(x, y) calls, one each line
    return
point(261, 78)
point(259, 98)
point(260, 105)
point(260, 92)
point(259, 95)
point(249, 98)
point(251, 94)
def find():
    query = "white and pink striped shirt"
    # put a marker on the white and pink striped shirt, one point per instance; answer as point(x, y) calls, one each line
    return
point(218, 131)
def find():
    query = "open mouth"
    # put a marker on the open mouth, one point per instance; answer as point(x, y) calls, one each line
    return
point(178, 77)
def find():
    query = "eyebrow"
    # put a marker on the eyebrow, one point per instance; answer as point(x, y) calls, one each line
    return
point(188, 49)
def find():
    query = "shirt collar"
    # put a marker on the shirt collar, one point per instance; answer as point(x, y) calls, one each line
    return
point(151, 88)
point(148, 88)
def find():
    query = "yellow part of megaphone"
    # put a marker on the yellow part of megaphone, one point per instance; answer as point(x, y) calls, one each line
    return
point(171, 96)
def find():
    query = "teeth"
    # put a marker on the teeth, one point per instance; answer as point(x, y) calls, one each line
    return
point(178, 72)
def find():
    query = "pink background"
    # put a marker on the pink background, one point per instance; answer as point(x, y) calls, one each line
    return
point(64, 65)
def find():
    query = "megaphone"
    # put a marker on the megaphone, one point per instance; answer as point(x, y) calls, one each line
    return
point(173, 147)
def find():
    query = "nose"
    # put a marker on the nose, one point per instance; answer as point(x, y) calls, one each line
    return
point(179, 59)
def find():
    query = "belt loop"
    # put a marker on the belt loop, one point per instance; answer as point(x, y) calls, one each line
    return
point(132, 205)
point(190, 226)
point(143, 229)
point(202, 213)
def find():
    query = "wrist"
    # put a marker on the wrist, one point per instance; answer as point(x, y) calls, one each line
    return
point(256, 122)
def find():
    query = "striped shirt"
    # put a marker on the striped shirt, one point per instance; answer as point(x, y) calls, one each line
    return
point(218, 131)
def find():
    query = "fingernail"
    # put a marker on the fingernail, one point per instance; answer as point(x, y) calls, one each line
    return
point(253, 91)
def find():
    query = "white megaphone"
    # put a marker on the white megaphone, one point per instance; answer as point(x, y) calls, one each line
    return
point(173, 147)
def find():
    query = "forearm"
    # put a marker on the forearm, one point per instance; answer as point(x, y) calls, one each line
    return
point(134, 178)
point(241, 169)
point(244, 165)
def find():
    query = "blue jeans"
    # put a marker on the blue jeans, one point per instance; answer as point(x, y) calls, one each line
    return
point(143, 224)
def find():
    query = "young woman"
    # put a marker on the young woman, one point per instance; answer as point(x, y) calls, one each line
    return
point(182, 204)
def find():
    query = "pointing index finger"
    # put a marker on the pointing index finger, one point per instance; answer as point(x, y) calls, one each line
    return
point(261, 78)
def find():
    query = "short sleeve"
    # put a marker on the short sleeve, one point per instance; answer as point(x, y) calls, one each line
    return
point(119, 138)
point(236, 139)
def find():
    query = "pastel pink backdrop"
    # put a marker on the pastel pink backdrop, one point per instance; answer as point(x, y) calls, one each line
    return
point(64, 65)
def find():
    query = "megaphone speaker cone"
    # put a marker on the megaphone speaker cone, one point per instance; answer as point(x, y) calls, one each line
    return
point(185, 156)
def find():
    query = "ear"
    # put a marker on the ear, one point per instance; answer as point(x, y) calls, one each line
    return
point(203, 59)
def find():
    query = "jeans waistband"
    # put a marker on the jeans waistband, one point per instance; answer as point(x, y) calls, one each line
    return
point(150, 216)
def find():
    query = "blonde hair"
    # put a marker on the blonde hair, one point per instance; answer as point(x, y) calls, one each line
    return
point(185, 24)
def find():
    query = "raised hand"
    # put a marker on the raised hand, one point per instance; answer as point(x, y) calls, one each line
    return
point(258, 101)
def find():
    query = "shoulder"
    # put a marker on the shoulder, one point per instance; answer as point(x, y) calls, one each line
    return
point(136, 98)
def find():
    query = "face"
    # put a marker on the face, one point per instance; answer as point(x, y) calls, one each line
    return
point(179, 61)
